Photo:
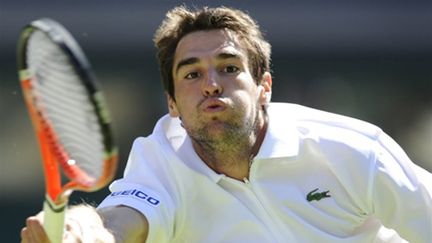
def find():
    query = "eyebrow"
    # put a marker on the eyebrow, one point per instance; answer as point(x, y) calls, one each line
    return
point(193, 60)
point(187, 61)
point(227, 55)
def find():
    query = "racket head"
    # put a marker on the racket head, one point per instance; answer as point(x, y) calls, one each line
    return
point(67, 108)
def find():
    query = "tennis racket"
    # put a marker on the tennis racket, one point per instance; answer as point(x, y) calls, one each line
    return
point(69, 116)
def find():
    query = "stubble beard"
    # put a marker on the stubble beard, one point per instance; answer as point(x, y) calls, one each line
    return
point(231, 138)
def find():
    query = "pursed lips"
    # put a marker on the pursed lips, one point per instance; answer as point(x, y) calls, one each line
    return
point(213, 105)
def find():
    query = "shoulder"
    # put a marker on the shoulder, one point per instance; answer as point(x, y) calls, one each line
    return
point(330, 133)
point(160, 145)
point(321, 123)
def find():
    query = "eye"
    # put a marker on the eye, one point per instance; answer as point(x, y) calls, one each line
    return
point(231, 69)
point(192, 75)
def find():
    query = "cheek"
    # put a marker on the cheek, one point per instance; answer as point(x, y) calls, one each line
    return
point(246, 91)
point(187, 89)
point(186, 101)
point(245, 83)
point(245, 102)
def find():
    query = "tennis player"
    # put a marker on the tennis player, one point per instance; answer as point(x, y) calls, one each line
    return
point(226, 165)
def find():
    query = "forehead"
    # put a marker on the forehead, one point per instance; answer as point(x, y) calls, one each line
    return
point(203, 44)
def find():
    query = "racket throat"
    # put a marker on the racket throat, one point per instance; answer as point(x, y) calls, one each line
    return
point(57, 206)
point(54, 219)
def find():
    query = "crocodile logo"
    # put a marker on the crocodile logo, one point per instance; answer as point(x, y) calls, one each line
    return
point(314, 195)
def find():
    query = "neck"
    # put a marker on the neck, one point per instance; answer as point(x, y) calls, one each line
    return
point(233, 159)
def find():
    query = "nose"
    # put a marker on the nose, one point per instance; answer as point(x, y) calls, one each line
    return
point(211, 84)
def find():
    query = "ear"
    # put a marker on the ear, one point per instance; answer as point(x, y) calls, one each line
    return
point(172, 106)
point(266, 89)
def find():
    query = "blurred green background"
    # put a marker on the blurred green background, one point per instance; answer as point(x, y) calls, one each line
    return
point(364, 59)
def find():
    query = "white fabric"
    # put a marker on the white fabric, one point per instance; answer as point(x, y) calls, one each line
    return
point(369, 179)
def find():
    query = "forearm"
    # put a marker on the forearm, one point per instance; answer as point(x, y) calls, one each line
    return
point(107, 225)
point(125, 223)
point(83, 223)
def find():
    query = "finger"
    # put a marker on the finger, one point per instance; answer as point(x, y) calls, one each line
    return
point(35, 229)
point(26, 237)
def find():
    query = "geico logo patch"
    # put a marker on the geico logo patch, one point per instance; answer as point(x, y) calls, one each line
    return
point(138, 194)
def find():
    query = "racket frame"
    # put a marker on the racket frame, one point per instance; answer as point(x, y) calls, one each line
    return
point(54, 156)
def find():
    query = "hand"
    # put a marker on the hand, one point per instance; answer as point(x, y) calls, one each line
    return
point(82, 224)
point(35, 233)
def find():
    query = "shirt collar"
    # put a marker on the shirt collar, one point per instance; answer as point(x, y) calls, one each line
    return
point(178, 145)
point(281, 140)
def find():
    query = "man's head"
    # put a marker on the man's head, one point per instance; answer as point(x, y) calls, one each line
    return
point(215, 69)
point(180, 21)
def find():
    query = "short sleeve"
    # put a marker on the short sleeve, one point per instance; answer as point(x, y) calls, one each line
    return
point(146, 188)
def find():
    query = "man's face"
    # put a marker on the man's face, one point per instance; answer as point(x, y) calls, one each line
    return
point(215, 93)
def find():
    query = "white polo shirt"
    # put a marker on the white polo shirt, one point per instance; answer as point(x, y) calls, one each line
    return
point(318, 177)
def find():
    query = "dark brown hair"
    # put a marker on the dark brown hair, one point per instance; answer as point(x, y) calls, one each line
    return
point(180, 21)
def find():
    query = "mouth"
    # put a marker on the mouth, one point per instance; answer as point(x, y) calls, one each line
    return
point(213, 105)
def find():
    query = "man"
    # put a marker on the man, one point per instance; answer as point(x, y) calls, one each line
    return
point(228, 166)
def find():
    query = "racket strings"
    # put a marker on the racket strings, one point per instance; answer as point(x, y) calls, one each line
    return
point(65, 105)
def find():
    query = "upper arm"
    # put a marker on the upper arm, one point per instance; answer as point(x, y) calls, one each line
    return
point(401, 198)
point(125, 223)
point(146, 189)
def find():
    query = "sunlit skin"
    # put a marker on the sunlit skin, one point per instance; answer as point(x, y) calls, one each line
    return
point(218, 101)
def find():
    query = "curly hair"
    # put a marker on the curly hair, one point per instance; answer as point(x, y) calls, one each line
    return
point(181, 21)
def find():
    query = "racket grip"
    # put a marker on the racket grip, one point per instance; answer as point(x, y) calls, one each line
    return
point(54, 219)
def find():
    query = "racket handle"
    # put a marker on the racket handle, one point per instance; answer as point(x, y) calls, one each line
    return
point(54, 219)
